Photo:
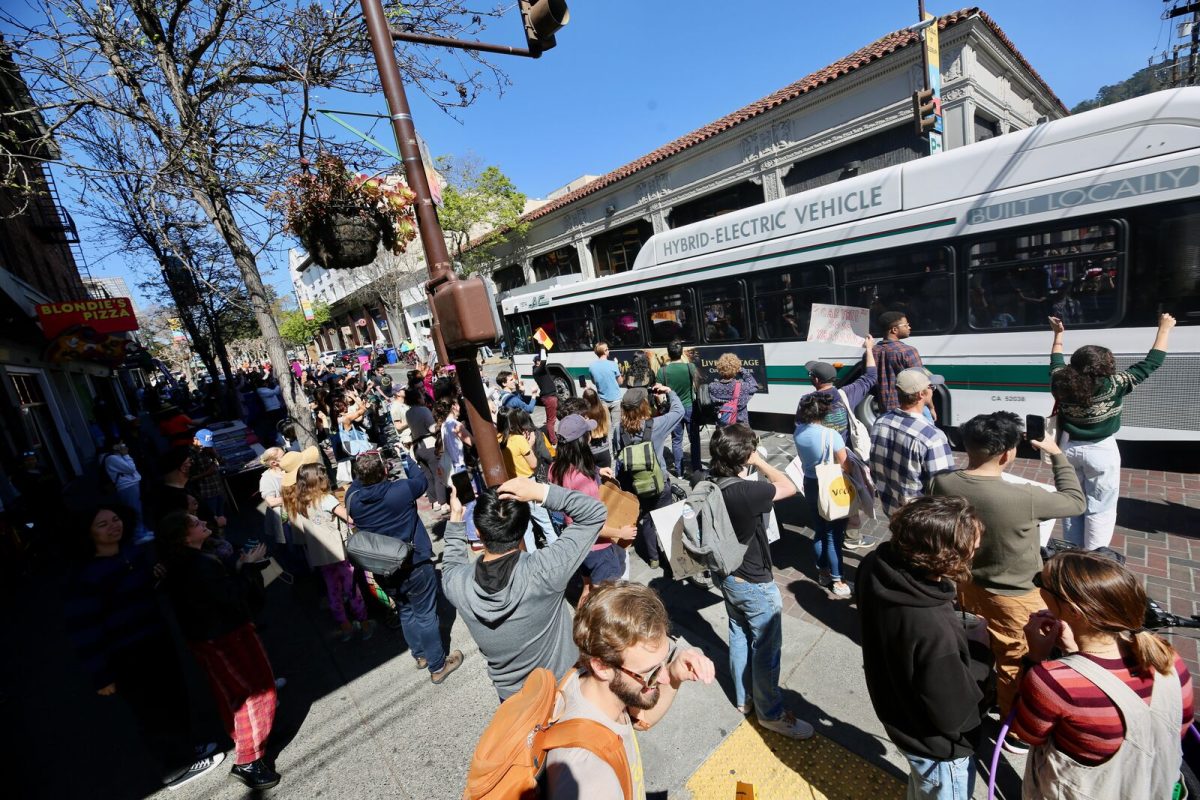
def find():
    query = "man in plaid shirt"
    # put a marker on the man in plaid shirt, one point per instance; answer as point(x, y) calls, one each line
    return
point(893, 356)
point(906, 448)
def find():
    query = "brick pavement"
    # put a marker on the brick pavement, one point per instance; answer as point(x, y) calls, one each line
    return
point(1158, 530)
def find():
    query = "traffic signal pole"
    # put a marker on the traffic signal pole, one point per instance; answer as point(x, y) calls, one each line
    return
point(433, 240)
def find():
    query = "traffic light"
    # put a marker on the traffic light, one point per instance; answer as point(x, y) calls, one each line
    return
point(543, 18)
point(925, 111)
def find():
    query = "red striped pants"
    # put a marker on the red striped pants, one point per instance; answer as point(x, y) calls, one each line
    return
point(244, 687)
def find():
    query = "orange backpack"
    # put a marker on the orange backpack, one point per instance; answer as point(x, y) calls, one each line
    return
point(511, 754)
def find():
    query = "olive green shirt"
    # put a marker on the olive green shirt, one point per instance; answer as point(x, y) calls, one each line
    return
point(678, 376)
point(1009, 553)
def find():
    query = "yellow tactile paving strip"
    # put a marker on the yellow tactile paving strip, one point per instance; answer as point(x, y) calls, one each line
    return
point(785, 769)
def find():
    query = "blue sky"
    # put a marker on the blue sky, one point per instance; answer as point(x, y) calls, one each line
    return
point(630, 75)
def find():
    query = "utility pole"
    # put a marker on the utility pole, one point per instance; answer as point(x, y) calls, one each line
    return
point(1186, 73)
point(462, 309)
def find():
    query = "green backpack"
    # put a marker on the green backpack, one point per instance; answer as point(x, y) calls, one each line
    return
point(642, 463)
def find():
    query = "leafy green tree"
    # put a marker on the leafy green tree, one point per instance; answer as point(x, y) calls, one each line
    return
point(1144, 81)
point(298, 331)
point(478, 204)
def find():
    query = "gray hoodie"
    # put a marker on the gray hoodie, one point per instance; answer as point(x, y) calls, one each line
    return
point(514, 605)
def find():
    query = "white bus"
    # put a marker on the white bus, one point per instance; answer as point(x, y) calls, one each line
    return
point(1094, 218)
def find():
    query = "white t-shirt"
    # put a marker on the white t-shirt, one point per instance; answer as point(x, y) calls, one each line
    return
point(573, 773)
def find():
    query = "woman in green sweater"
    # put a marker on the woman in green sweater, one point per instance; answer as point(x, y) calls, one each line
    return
point(1089, 392)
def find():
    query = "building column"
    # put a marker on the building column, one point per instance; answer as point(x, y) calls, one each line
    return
point(586, 265)
point(527, 270)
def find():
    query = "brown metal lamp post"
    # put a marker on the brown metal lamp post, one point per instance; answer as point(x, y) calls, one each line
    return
point(461, 316)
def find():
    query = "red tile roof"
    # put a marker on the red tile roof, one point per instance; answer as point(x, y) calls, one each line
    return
point(872, 52)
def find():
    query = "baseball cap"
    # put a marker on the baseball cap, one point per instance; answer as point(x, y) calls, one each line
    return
point(205, 437)
point(821, 371)
point(634, 397)
point(575, 426)
point(916, 379)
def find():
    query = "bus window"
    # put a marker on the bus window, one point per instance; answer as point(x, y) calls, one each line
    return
point(618, 318)
point(918, 282)
point(576, 328)
point(1018, 281)
point(670, 316)
point(1165, 265)
point(518, 332)
point(534, 320)
point(723, 308)
point(783, 300)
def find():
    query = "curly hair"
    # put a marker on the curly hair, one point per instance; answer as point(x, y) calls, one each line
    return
point(1076, 384)
point(936, 536)
point(728, 366)
point(813, 407)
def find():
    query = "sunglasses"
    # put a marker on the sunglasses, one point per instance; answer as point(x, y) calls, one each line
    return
point(1040, 583)
point(649, 679)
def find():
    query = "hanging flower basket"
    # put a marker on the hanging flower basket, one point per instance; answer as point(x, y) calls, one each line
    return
point(344, 239)
point(341, 217)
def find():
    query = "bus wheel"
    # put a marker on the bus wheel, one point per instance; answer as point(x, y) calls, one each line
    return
point(868, 411)
point(564, 387)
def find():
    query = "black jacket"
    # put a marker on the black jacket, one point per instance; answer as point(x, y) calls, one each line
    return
point(209, 599)
point(916, 659)
point(543, 378)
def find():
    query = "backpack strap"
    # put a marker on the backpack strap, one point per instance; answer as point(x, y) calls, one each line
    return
point(597, 739)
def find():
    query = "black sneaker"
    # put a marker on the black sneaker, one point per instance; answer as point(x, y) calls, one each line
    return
point(197, 770)
point(257, 775)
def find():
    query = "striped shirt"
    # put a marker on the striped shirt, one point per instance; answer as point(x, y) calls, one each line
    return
point(906, 451)
point(1056, 701)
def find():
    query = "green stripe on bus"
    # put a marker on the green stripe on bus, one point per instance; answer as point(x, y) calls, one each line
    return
point(1023, 377)
point(941, 223)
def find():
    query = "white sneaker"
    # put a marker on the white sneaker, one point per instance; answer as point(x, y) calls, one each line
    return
point(788, 725)
point(840, 589)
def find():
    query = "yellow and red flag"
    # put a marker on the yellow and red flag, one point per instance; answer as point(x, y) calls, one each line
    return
point(543, 339)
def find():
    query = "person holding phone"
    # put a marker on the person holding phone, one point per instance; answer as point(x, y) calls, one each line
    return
point(1089, 392)
point(1001, 588)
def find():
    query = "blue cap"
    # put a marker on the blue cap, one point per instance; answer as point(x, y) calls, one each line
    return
point(205, 437)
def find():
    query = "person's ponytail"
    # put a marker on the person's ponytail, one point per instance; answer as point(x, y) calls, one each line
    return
point(1152, 653)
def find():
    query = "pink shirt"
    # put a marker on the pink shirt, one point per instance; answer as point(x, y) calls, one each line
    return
point(577, 481)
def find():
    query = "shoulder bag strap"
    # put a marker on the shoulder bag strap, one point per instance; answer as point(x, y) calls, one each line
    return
point(1123, 697)
point(599, 740)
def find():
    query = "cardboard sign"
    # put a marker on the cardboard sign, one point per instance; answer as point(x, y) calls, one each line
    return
point(622, 506)
point(838, 324)
point(106, 315)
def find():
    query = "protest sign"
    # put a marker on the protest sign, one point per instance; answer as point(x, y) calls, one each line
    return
point(838, 324)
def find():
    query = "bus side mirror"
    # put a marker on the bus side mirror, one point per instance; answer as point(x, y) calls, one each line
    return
point(582, 382)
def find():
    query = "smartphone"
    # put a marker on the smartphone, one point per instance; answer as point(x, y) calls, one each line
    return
point(463, 488)
point(249, 545)
point(1035, 427)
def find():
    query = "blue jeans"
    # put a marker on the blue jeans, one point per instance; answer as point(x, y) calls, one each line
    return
point(693, 432)
point(755, 640)
point(827, 536)
point(131, 496)
point(940, 780)
point(538, 513)
point(416, 597)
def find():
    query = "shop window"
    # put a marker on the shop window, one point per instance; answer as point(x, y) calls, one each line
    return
point(670, 316)
point(723, 309)
point(919, 283)
point(616, 251)
point(731, 198)
point(508, 278)
point(563, 261)
point(783, 300)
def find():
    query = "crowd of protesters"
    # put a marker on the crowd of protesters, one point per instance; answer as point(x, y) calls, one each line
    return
point(962, 610)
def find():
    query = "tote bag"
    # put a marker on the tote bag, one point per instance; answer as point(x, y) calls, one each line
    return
point(835, 492)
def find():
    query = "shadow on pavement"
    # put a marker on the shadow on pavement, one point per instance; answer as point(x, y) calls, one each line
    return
point(1158, 517)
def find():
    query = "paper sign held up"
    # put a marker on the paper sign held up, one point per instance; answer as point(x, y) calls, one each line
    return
point(838, 324)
